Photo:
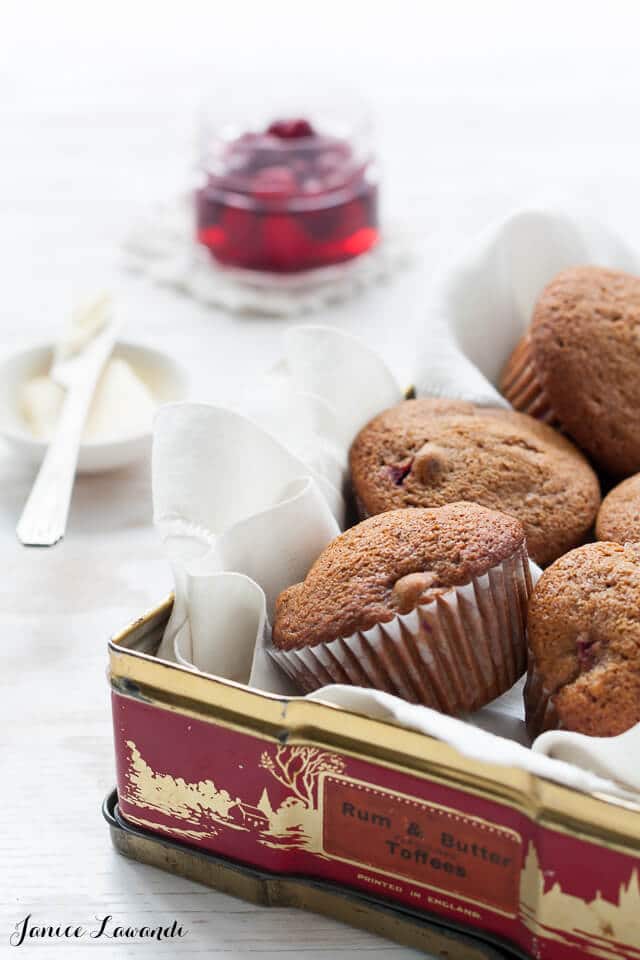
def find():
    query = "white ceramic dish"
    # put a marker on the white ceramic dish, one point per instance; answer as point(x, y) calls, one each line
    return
point(163, 376)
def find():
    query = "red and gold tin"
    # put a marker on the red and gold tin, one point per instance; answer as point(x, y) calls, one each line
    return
point(301, 789)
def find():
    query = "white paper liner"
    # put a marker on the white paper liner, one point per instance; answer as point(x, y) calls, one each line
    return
point(455, 654)
point(162, 246)
point(328, 386)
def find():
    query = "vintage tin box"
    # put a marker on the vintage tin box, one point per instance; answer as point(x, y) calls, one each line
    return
point(240, 785)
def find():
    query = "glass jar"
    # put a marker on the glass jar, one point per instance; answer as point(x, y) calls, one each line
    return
point(284, 192)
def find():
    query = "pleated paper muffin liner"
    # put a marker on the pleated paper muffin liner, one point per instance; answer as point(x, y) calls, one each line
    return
point(522, 387)
point(455, 654)
point(540, 711)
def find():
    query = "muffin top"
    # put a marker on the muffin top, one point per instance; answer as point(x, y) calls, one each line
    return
point(585, 340)
point(389, 564)
point(428, 452)
point(584, 635)
point(619, 515)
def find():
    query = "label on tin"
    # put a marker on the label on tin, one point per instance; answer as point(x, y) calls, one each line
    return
point(431, 845)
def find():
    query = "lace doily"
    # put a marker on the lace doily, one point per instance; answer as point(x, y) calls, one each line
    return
point(162, 246)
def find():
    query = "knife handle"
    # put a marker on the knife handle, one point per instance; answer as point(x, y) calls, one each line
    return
point(44, 517)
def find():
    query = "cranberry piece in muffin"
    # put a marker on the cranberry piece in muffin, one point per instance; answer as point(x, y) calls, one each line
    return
point(428, 452)
point(583, 630)
point(578, 367)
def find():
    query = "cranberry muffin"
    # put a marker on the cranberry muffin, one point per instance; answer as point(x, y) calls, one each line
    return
point(427, 604)
point(578, 367)
point(619, 516)
point(429, 452)
point(583, 630)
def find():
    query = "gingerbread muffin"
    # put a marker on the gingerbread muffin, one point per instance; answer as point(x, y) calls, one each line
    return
point(619, 515)
point(578, 367)
point(584, 643)
point(427, 604)
point(427, 452)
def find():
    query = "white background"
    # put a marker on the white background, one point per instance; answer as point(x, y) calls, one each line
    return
point(480, 107)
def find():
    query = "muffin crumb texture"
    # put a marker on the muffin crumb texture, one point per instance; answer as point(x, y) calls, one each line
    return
point(584, 639)
point(429, 452)
point(619, 516)
point(390, 564)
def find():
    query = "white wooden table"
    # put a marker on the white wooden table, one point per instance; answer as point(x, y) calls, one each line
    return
point(480, 108)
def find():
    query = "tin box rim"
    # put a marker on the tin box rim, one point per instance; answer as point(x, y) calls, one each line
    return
point(600, 818)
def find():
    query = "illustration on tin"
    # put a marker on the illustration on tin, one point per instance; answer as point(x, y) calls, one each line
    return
point(598, 928)
point(293, 824)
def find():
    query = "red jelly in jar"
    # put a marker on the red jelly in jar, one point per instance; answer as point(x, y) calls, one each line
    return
point(294, 194)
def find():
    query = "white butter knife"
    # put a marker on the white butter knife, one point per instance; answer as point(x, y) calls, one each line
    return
point(44, 518)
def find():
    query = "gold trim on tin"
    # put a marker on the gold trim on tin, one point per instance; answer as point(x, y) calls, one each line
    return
point(605, 821)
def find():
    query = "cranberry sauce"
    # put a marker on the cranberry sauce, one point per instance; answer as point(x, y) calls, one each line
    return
point(287, 199)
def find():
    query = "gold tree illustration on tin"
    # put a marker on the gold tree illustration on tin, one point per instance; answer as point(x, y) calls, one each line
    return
point(298, 768)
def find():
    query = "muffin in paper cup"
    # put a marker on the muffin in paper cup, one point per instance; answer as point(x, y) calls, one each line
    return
point(436, 601)
point(522, 387)
point(577, 366)
point(584, 643)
